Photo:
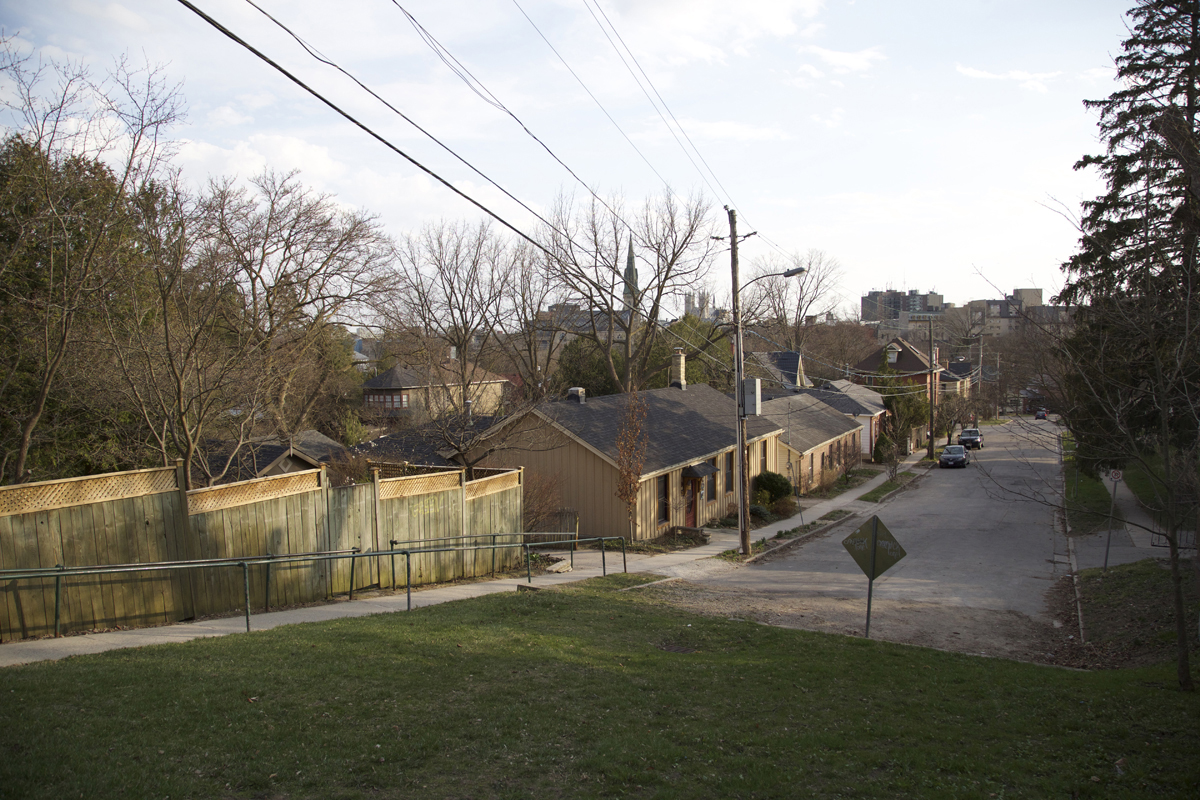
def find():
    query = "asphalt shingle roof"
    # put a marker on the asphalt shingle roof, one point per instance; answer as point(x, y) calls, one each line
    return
point(682, 426)
point(807, 422)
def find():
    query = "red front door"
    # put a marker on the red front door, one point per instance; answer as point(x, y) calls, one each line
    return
point(689, 504)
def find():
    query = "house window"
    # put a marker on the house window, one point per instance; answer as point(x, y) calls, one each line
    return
point(710, 484)
point(664, 499)
point(404, 399)
point(729, 471)
point(810, 467)
point(762, 467)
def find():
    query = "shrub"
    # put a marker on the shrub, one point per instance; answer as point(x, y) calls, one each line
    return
point(761, 498)
point(759, 511)
point(774, 484)
point(784, 506)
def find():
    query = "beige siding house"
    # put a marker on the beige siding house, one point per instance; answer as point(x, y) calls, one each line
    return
point(419, 393)
point(818, 443)
point(687, 478)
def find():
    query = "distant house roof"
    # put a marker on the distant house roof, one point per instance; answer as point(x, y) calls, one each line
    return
point(909, 359)
point(848, 398)
point(444, 374)
point(807, 422)
point(783, 366)
point(425, 445)
point(270, 455)
point(681, 426)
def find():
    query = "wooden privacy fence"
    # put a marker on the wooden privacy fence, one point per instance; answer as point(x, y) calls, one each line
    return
point(145, 516)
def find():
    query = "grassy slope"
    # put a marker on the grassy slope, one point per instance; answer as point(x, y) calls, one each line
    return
point(568, 694)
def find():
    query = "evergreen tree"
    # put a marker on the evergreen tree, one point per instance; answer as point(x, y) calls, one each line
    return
point(1140, 235)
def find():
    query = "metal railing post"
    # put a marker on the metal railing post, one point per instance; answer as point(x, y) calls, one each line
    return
point(624, 563)
point(528, 568)
point(392, 546)
point(267, 594)
point(353, 558)
point(246, 585)
point(493, 554)
point(57, 600)
point(408, 577)
point(573, 541)
point(603, 559)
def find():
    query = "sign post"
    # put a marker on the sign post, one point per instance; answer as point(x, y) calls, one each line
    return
point(1115, 475)
point(875, 551)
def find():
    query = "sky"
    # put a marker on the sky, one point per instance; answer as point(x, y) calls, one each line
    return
point(925, 145)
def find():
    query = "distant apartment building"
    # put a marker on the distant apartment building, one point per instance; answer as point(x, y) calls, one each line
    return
point(889, 304)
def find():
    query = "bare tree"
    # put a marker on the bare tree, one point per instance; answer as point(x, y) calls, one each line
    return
point(791, 307)
point(303, 265)
point(73, 154)
point(621, 302)
point(631, 456)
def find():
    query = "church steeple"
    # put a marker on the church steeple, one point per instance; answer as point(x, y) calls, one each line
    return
point(631, 279)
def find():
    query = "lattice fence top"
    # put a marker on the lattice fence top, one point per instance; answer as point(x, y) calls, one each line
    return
point(414, 485)
point(496, 483)
point(27, 497)
point(253, 491)
point(389, 469)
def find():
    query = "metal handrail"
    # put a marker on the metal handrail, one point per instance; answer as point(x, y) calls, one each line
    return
point(60, 571)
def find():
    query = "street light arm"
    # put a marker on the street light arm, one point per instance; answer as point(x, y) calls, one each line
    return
point(791, 273)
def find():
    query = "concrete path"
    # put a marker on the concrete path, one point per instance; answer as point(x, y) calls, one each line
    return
point(587, 565)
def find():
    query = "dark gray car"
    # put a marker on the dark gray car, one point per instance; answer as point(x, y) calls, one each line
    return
point(954, 455)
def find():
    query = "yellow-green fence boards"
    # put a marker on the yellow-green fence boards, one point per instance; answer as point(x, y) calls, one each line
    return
point(102, 520)
point(352, 524)
point(119, 531)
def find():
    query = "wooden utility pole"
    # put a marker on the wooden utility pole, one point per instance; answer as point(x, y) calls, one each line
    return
point(740, 391)
point(933, 377)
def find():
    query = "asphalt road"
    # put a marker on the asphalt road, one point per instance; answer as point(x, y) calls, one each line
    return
point(976, 537)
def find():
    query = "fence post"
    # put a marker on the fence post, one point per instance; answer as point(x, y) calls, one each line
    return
point(462, 500)
point(375, 528)
point(186, 545)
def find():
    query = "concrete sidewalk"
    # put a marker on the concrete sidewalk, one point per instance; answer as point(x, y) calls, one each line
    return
point(1131, 540)
point(587, 564)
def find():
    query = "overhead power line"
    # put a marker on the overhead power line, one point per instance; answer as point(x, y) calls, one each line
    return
point(485, 94)
point(589, 93)
point(234, 37)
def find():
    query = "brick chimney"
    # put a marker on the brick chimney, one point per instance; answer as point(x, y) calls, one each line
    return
point(679, 369)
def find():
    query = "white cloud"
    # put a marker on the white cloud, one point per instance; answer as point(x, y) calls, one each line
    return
point(842, 62)
point(720, 130)
point(1034, 81)
point(227, 116)
point(831, 120)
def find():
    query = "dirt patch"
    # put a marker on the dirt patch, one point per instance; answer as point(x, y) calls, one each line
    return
point(1127, 617)
point(1004, 634)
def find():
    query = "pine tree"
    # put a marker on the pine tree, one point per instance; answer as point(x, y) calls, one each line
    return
point(1142, 231)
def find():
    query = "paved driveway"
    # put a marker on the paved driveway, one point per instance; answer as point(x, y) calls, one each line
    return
point(982, 551)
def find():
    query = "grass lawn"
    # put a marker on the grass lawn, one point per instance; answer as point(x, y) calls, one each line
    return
point(851, 479)
point(887, 487)
point(1088, 501)
point(1143, 486)
point(583, 692)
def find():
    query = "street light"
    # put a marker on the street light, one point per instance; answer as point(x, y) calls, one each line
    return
point(740, 379)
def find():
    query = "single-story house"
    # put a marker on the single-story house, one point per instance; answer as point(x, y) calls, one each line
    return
point(862, 404)
point(687, 478)
point(818, 443)
point(417, 392)
point(266, 456)
point(783, 368)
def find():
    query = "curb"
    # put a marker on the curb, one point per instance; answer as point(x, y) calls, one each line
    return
point(795, 541)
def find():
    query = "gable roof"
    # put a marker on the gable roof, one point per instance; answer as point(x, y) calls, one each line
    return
point(784, 366)
point(848, 398)
point(807, 422)
point(257, 456)
point(681, 426)
point(909, 360)
point(401, 377)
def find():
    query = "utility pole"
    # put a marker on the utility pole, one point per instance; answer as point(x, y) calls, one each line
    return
point(740, 391)
point(932, 389)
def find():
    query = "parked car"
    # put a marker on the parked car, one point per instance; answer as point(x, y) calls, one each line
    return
point(1041, 414)
point(971, 437)
point(954, 455)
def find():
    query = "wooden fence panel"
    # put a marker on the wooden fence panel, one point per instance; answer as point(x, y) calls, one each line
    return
point(104, 520)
